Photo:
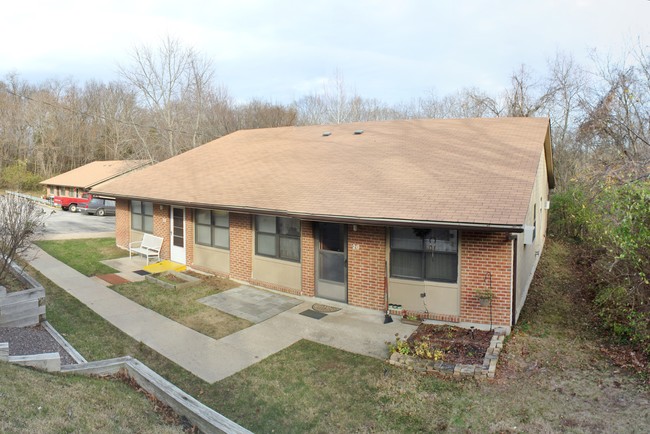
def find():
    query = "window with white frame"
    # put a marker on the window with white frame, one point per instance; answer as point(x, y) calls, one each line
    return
point(212, 228)
point(277, 237)
point(142, 216)
point(424, 254)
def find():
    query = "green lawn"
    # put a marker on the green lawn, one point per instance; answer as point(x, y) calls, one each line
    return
point(182, 306)
point(551, 377)
point(84, 255)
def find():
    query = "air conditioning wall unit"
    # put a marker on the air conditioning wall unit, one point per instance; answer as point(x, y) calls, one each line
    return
point(529, 231)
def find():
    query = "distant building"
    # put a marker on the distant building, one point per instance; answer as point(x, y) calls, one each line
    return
point(80, 180)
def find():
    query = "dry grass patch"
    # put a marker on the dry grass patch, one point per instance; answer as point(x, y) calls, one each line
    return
point(12, 283)
point(181, 305)
point(37, 402)
point(552, 376)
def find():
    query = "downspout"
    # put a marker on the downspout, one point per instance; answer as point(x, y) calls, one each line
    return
point(514, 281)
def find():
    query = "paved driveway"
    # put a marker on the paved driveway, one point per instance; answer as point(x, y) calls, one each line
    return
point(61, 224)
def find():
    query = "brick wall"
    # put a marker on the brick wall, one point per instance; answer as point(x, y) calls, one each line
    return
point(161, 227)
point(122, 223)
point(307, 260)
point(482, 253)
point(241, 246)
point(189, 236)
point(366, 266)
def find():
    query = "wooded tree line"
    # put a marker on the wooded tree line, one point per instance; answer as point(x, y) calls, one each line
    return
point(166, 101)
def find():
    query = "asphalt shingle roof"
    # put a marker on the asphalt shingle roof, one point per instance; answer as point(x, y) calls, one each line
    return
point(477, 171)
point(91, 174)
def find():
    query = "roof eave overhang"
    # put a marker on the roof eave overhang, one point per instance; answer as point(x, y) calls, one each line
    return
point(548, 154)
point(378, 221)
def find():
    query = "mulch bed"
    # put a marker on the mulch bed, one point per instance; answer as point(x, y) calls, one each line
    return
point(458, 345)
point(25, 341)
point(12, 283)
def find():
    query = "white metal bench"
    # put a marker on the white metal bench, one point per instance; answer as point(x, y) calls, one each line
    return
point(149, 247)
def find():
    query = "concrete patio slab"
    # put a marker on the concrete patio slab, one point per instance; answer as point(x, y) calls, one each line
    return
point(352, 329)
point(252, 304)
point(126, 267)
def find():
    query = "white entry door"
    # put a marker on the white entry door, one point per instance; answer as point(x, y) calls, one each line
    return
point(177, 252)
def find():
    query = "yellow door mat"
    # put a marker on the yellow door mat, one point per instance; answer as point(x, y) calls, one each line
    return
point(165, 265)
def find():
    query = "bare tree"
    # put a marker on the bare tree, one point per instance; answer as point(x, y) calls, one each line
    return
point(336, 104)
point(567, 84)
point(466, 103)
point(21, 221)
point(262, 114)
point(173, 84)
point(616, 127)
point(109, 107)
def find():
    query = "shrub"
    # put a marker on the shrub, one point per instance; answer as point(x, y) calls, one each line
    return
point(422, 349)
point(623, 314)
point(18, 177)
point(570, 213)
point(399, 346)
point(622, 226)
point(613, 219)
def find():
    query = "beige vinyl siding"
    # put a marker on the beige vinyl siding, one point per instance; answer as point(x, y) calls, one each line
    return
point(528, 255)
point(212, 258)
point(441, 298)
point(277, 272)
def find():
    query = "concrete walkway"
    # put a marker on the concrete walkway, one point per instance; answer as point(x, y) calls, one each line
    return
point(356, 330)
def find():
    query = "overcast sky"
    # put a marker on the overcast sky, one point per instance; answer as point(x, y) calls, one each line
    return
point(279, 50)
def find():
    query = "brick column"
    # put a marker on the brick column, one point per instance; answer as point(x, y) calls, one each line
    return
point(481, 253)
point(307, 260)
point(366, 266)
point(241, 246)
point(122, 223)
point(161, 227)
point(189, 236)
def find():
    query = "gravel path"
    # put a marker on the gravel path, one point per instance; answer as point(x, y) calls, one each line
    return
point(32, 340)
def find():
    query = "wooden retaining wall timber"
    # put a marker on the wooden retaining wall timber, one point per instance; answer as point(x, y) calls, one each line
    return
point(205, 418)
point(22, 308)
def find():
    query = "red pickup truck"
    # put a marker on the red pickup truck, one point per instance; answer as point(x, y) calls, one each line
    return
point(71, 203)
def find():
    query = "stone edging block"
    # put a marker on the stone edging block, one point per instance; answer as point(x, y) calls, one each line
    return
point(485, 371)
